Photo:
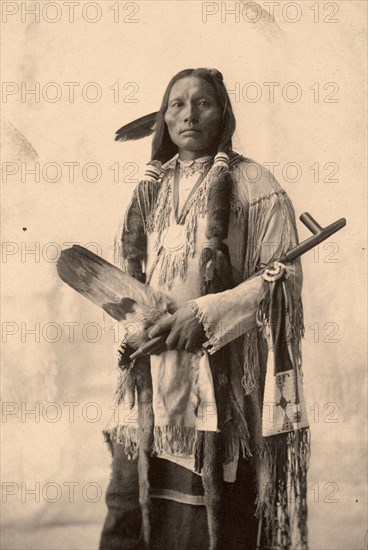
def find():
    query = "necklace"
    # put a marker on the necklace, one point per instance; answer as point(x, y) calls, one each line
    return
point(198, 165)
point(206, 166)
point(174, 238)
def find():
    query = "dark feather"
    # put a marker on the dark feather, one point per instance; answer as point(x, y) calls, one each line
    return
point(138, 129)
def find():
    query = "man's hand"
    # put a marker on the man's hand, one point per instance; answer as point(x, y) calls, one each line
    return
point(183, 331)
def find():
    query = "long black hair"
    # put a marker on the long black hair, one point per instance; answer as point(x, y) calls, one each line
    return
point(162, 146)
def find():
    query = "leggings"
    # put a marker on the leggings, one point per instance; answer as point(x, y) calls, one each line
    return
point(176, 526)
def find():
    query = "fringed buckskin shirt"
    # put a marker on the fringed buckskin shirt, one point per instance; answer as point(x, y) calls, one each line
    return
point(261, 228)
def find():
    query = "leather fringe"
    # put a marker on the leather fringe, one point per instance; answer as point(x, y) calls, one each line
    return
point(174, 439)
point(251, 361)
point(283, 499)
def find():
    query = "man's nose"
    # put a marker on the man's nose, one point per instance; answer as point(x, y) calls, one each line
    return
point(190, 113)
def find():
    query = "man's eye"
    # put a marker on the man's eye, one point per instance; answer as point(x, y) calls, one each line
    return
point(176, 104)
point(203, 102)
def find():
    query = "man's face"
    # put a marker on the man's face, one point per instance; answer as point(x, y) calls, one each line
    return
point(193, 117)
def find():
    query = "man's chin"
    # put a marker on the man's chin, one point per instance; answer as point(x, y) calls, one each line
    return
point(192, 143)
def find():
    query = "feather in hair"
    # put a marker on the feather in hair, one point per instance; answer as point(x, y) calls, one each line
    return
point(138, 129)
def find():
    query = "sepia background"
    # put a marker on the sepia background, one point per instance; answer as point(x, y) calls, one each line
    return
point(298, 90)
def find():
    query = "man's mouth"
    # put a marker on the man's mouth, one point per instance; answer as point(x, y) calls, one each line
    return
point(189, 131)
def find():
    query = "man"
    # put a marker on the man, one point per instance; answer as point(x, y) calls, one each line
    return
point(212, 470)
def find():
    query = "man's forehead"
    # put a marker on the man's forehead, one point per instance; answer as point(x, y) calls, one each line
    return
point(191, 85)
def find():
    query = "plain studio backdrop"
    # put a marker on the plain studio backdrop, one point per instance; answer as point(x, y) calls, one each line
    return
point(298, 92)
